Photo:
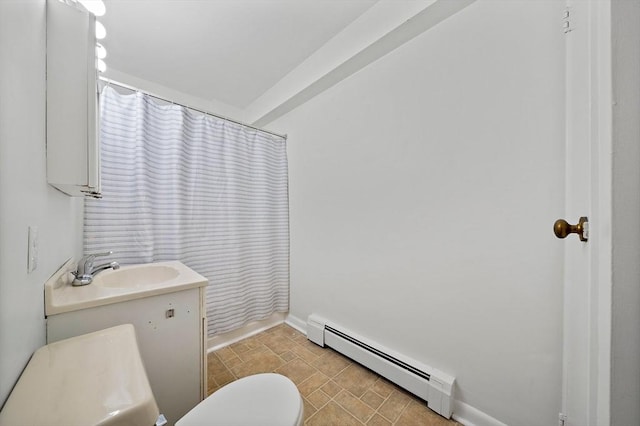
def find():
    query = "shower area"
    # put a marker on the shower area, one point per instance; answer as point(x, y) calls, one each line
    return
point(180, 184)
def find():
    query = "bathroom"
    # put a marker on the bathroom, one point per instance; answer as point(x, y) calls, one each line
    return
point(423, 187)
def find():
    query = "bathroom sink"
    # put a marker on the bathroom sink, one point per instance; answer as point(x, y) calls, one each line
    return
point(137, 276)
point(113, 286)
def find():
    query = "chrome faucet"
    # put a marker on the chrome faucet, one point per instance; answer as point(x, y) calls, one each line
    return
point(86, 271)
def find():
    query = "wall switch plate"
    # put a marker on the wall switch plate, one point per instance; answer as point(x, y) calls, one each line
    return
point(32, 249)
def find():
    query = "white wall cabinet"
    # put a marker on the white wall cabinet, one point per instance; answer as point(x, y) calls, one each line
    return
point(73, 155)
point(170, 329)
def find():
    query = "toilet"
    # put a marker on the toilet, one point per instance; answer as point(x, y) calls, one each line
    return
point(62, 379)
point(260, 400)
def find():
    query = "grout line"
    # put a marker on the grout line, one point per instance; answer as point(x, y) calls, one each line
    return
point(401, 413)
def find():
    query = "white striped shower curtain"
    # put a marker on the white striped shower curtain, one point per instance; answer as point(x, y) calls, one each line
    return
point(181, 185)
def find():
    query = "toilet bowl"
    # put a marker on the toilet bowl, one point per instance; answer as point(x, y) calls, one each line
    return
point(258, 400)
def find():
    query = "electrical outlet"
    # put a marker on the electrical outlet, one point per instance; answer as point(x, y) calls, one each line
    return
point(32, 249)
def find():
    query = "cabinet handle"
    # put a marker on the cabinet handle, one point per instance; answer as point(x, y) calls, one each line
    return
point(170, 313)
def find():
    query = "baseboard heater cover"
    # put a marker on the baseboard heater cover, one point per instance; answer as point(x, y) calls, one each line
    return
point(432, 385)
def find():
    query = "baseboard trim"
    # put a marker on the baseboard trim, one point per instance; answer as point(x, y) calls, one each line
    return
point(471, 416)
point(225, 339)
point(296, 323)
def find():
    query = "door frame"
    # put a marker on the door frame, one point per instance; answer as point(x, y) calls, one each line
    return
point(592, 21)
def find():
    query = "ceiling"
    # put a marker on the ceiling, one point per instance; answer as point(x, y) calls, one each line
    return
point(229, 51)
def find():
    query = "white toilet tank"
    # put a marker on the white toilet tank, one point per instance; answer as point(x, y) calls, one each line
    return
point(259, 400)
point(93, 379)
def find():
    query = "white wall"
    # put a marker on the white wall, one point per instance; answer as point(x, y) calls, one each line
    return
point(423, 190)
point(625, 356)
point(25, 197)
point(379, 20)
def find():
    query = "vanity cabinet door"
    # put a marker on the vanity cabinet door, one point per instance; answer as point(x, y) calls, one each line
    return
point(169, 329)
point(73, 156)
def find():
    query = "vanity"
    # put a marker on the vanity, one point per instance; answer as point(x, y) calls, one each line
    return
point(165, 303)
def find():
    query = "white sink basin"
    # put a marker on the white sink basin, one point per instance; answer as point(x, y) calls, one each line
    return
point(127, 283)
point(136, 276)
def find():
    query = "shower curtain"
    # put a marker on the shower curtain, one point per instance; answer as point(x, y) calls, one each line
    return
point(181, 185)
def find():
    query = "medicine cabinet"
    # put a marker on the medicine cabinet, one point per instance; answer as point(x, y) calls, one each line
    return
point(73, 154)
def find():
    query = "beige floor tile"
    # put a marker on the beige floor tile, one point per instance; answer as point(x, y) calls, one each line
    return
point(240, 347)
point(261, 337)
point(303, 353)
point(313, 383)
point(288, 356)
point(332, 415)
point(309, 345)
point(226, 353)
point(417, 414)
point(331, 363)
point(265, 362)
point(222, 377)
point(318, 399)
point(331, 388)
point(297, 370)
point(251, 342)
point(277, 343)
point(394, 405)
point(276, 329)
point(285, 331)
point(309, 409)
point(214, 362)
point(372, 399)
point(353, 405)
point(252, 353)
point(378, 420)
point(232, 362)
point(383, 387)
point(294, 334)
point(356, 379)
point(298, 337)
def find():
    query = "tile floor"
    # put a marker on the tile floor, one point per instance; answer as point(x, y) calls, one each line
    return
point(336, 391)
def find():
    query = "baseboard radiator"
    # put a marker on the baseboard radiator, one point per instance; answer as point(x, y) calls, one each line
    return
point(423, 381)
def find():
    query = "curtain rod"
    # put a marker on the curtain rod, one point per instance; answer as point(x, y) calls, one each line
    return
point(135, 89)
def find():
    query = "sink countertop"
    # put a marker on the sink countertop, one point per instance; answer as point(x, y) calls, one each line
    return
point(60, 296)
point(96, 378)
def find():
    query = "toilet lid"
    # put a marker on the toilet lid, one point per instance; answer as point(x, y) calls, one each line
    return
point(261, 399)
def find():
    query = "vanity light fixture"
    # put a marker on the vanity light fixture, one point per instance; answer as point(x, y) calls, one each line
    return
point(101, 32)
point(102, 67)
point(96, 8)
point(101, 52)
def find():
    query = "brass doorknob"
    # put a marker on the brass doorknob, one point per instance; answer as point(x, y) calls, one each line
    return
point(561, 228)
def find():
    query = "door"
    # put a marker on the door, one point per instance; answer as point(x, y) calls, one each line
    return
point(587, 283)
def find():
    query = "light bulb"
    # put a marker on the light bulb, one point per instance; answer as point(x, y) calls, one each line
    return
point(96, 7)
point(101, 32)
point(101, 52)
point(102, 67)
